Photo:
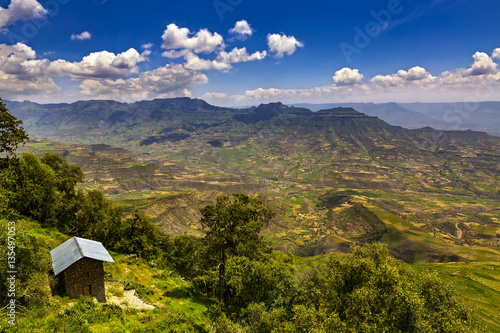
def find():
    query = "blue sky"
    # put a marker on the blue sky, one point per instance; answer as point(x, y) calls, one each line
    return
point(242, 52)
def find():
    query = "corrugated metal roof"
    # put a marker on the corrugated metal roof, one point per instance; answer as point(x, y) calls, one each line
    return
point(75, 249)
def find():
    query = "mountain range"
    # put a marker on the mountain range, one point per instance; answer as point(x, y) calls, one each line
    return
point(478, 116)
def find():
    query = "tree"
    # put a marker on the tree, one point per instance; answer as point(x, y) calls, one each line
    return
point(32, 263)
point(368, 290)
point(8, 179)
point(68, 175)
point(187, 256)
point(269, 281)
point(142, 237)
point(11, 134)
point(35, 190)
point(234, 225)
point(11, 131)
point(92, 216)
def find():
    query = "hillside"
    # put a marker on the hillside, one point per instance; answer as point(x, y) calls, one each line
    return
point(343, 145)
point(478, 116)
point(433, 194)
point(140, 297)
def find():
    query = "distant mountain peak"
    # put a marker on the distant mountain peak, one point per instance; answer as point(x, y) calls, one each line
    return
point(263, 112)
point(186, 103)
point(271, 104)
point(341, 112)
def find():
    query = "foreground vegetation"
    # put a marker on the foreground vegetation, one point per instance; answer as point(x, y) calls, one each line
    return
point(366, 290)
point(477, 282)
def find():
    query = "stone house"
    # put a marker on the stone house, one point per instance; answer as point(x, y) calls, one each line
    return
point(78, 263)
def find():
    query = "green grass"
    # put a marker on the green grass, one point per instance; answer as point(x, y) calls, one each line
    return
point(178, 308)
point(478, 283)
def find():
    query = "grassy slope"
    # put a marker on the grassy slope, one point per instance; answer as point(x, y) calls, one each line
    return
point(177, 307)
point(478, 282)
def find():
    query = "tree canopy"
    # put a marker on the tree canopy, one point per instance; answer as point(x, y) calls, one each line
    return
point(45, 189)
point(11, 132)
point(234, 225)
point(366, 290)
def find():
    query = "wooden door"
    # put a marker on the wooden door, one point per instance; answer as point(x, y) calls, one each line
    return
point(86, 290)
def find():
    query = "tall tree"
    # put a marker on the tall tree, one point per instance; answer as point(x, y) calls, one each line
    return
point(234, 225)
point(68, 175)
point(11, 131)
point(11, 135)
point(142, 237)
point(35, 191)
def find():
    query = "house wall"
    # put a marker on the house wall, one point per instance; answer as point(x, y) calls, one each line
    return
point(85, 272)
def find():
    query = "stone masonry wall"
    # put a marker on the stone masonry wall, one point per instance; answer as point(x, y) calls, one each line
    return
point(85, 272)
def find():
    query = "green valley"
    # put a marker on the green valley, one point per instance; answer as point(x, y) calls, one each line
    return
point(434, 193)
point(338, 181)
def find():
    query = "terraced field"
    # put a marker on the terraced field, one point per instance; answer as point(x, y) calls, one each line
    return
point(311, 219)
point(334, 176)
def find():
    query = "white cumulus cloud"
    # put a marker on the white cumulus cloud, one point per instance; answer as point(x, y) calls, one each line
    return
point(195, 63)
point(414, 76)
point(102, 75)
point(101, 64)
point(347, 77)
point(282, 44)
point(483, 71)
point(480, 82)
point(240, 55)
point(20, 10)
point(224, 59)
point(496, 53)
point(177, 41)
point(169, 80)
point(242, 28)
point(83, 36)
point(217, 98)
point(147, 49)
point(21, 73)
point(482, 65)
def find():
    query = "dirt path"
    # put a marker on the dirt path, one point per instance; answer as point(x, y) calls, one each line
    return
point(459, 235)
point(130, 300)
